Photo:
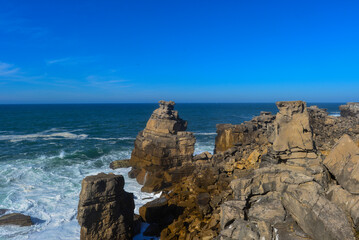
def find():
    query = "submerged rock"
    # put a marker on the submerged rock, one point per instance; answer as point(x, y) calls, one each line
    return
point(105, 210)
point(15, 219)
point(163, 145)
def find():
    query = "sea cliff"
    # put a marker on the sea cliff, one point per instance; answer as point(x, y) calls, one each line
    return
point(293, 175)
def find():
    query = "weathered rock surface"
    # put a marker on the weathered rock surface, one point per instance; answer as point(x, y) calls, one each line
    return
point(16, 219)
point(327, 130)
point(343, 163)
point(164, 144)
point(293, 137)
point(351, 109)
point(120, 164)
point(105, 210)
point(315, 214)
point(347, 201)
point(280, 196)
point(257, 130)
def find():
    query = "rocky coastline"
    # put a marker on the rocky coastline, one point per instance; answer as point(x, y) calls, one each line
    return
point(293, 175)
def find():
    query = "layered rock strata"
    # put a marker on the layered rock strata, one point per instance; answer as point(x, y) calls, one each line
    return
point(162, 147)
point(292, 136)
point(105, 210)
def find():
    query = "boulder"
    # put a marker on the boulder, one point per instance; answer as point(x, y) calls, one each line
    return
point(105, 210)
point(351, 109)
point(292, 136)
point(16, 219)
point(343, 163)
point(162, 145)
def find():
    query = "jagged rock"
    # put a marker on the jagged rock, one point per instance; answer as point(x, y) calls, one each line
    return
point(257, 130)
point(292, 136)
point(105, 210)
point(16, 219)
point(120, 164)
point(267, 208)
point(244, 230)
point(351, 109)
point(343, 163)
point(154, 211)
point(162, 145)
point(328, 129)
point(315, 214)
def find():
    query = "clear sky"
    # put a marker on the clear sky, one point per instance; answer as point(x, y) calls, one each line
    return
point(72, 51)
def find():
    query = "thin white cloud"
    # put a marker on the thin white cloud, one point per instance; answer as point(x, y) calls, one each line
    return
point(8, 70)
point(71, 60)
point(106, 82)
point(60, 60)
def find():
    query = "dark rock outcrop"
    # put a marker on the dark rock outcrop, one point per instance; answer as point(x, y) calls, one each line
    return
point(105, 210)
point(351, 109)
point(160, 148)
point(16, 219)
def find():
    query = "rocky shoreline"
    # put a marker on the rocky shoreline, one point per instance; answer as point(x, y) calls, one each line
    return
point(293, 175)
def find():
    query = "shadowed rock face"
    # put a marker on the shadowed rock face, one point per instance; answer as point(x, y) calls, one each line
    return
point(350, 109)
point(162, 145)
point(293, 137)
point(105, 210)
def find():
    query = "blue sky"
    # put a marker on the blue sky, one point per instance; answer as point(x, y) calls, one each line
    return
point(186, 51)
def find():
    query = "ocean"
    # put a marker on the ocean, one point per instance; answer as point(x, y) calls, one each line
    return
point(46, 151)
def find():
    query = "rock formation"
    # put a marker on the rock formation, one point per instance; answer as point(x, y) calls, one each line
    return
point(297, 192)
point(257, 130)
point(15, 219)
point(292, 132)
point(328, 129)
point(343, 163)
point(291, 176)
point(160, 148)
point(105, 210)
point(350, 109)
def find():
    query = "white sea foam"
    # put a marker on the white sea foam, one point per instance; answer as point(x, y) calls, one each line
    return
point(334, 114)
point(205, 133)
point(51, 196)
point(42, 135)
point(107, 139)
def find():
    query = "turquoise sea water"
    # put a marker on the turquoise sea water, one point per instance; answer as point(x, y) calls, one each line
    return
point(46, 150)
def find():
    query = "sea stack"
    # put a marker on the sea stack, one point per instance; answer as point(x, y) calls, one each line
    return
point(160, 148)
point(293, 137)
point(105, 209)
